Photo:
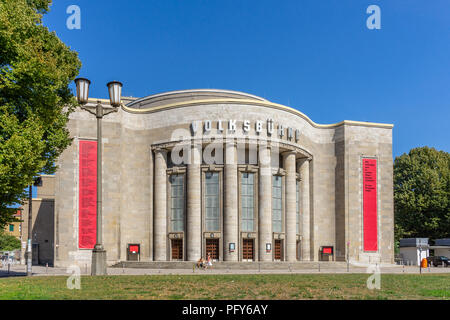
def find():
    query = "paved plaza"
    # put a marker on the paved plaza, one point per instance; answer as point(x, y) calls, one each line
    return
point(20, 270)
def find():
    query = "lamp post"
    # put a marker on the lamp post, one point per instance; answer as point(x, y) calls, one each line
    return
point(98, 266)
point(29, 254)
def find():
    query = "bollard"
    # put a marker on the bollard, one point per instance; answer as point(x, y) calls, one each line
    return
point(319, 266)
point(9, 266)
point(46, 268)
point(403, 268)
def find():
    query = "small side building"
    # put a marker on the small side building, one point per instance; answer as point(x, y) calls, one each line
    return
point(441, 247)
point(413, 250)
point(43, 223)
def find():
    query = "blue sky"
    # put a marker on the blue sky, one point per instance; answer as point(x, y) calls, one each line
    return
point(316, 56)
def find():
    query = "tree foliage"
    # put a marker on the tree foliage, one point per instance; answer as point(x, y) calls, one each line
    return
point(8, 242)
point(422, 194)
point(36, 68)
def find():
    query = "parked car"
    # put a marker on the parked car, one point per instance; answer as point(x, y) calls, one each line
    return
point(438, 260)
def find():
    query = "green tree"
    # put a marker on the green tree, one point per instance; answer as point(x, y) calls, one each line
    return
point(8, 242)
point(36, 68)
point(422, 194)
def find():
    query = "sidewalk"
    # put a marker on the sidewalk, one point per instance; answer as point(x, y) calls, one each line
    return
point(20, 270)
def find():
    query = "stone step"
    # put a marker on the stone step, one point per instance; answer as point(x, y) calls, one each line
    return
point(224, 265)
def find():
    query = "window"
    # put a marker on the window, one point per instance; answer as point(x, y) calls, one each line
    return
point(177, 202)
point(247, 201)
point(11, 227)
point(212, 205)
point(297, 201)
point(276, 204)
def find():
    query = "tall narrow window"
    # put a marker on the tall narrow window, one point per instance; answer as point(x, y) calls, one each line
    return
point(297, 201)
point(212, 205)
point(177, 202)
point(247, 201)
point(276, 204)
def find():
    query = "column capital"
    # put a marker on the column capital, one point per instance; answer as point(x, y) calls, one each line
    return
point(264, 144)
point(160, 149)
point(230, 142)
point(196, 143)
point(303, 160)
point(288, 152)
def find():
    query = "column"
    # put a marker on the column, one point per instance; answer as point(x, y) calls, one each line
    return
point(290, 216)
point(230, 223)
point(305, 210)
point(265, 202)
point(194, 213)
point(160, 206)
point(150, 244)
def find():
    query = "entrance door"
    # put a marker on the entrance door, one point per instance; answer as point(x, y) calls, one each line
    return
point(247, 250)
point(177, 249)
point(212, 247)
point(278, 250)
point(298, 250)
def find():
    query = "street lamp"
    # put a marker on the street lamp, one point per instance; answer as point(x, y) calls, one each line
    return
point(98, 266)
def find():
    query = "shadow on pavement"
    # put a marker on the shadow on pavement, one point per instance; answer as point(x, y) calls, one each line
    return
point(5, 274)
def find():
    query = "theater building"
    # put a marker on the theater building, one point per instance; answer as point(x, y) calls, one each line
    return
point(196, 172)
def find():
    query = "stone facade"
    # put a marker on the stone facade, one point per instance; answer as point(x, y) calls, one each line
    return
point(43, 223)
point(142, 146)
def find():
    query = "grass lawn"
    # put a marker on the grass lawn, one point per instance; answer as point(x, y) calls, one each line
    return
point(304, 286)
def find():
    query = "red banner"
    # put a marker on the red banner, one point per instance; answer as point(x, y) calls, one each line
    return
point(87, 215)
point(370, 229)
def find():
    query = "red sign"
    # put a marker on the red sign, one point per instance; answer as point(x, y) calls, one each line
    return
point(87, 214)
point(327, 250)
point(370, 229)
point(134, 249)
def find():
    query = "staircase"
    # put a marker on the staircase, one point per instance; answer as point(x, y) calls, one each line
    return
point(229, 265)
